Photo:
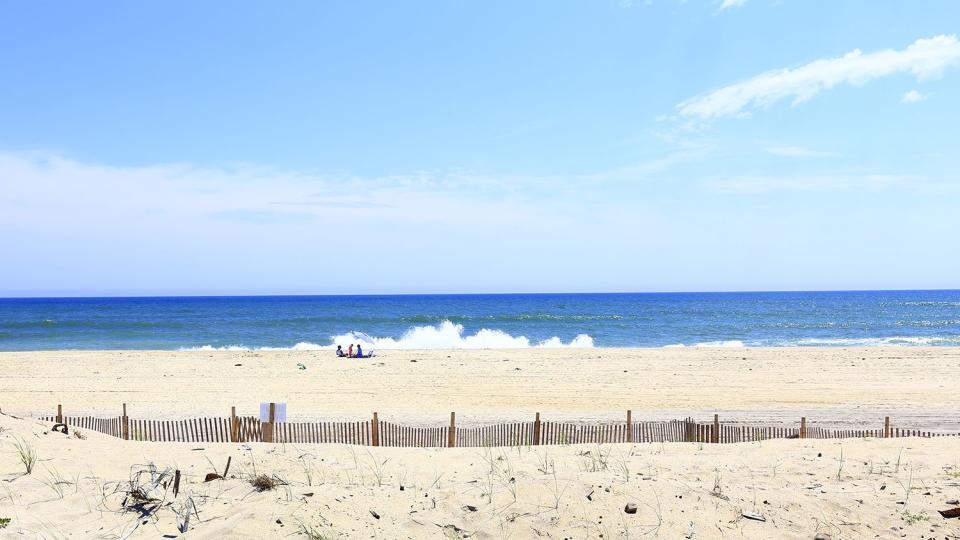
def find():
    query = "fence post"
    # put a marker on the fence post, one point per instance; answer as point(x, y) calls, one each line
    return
point(536, 430)
point(452, 434)
point(375, 431)
point(125, 424)
point(266, 428)
point(803, 427)
point(234, 425)
point(715, 438)
point(59, 413)
point(886, 427)
point(629, 426)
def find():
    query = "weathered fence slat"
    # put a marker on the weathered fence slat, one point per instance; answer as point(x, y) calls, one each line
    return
point(505, 434)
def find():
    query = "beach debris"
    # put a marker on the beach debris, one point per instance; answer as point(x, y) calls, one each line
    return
point(753, 516)
point(210, 477)
point(822, 536)
point(690, 531)
point(237, 365)
point(953, 502)
point(590, 495)
point(176, 482)
point(62, 430)
point(301, 366)
point(146, 490)
point(263, 483)
point(630, 508)
point(951, 513)
point(469, 508)
point(183, 514)
point(4, 522)
point(375, 514)
point(227, 468)
point(452, 531)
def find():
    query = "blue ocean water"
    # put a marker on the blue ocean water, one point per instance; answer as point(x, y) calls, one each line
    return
point(480, 321)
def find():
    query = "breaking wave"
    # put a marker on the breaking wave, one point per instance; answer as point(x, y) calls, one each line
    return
point(446, 335)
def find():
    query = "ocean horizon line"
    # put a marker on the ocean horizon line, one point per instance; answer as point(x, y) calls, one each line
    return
point(467, 294)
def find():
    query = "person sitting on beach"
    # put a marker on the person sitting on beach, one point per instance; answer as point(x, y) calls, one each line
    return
point(359, 351)
point(340, 353)
point(350, 351)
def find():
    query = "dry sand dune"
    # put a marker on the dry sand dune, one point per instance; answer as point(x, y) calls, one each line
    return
point(80, 488)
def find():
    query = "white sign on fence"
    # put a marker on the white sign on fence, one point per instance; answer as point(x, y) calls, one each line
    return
point(279, 412)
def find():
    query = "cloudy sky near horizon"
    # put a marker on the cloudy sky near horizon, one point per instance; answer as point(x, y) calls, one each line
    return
point(441, 147)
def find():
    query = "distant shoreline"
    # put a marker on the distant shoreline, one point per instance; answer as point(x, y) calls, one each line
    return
point(328, 350)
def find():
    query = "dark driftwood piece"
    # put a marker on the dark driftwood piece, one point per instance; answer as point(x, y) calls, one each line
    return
point(951, 513)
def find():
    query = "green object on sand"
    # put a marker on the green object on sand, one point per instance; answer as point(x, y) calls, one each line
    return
point(4, 522)
point(301, 366)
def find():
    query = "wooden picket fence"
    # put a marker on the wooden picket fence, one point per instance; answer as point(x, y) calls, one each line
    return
point(379, 433)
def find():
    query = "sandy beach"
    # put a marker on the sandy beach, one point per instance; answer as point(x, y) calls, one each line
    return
point(916, 386)
point(848, 488)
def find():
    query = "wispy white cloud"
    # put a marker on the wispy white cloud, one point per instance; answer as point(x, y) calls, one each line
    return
point(796, 151)
point(821, 182)
point(924, 58)
point(52, 192)
point(732, 3)
point(913, 96)
point(70, 225)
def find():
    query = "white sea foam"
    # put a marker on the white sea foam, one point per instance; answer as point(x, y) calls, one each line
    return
point(302, 346)
point(212, 348)
point(876, 342)
point(446, 335)
point(727, 343)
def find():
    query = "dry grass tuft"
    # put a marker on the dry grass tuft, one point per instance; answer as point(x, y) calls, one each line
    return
point(262, 482)
point(26, 453)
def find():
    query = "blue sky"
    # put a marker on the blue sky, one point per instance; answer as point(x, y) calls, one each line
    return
point(347, 147)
